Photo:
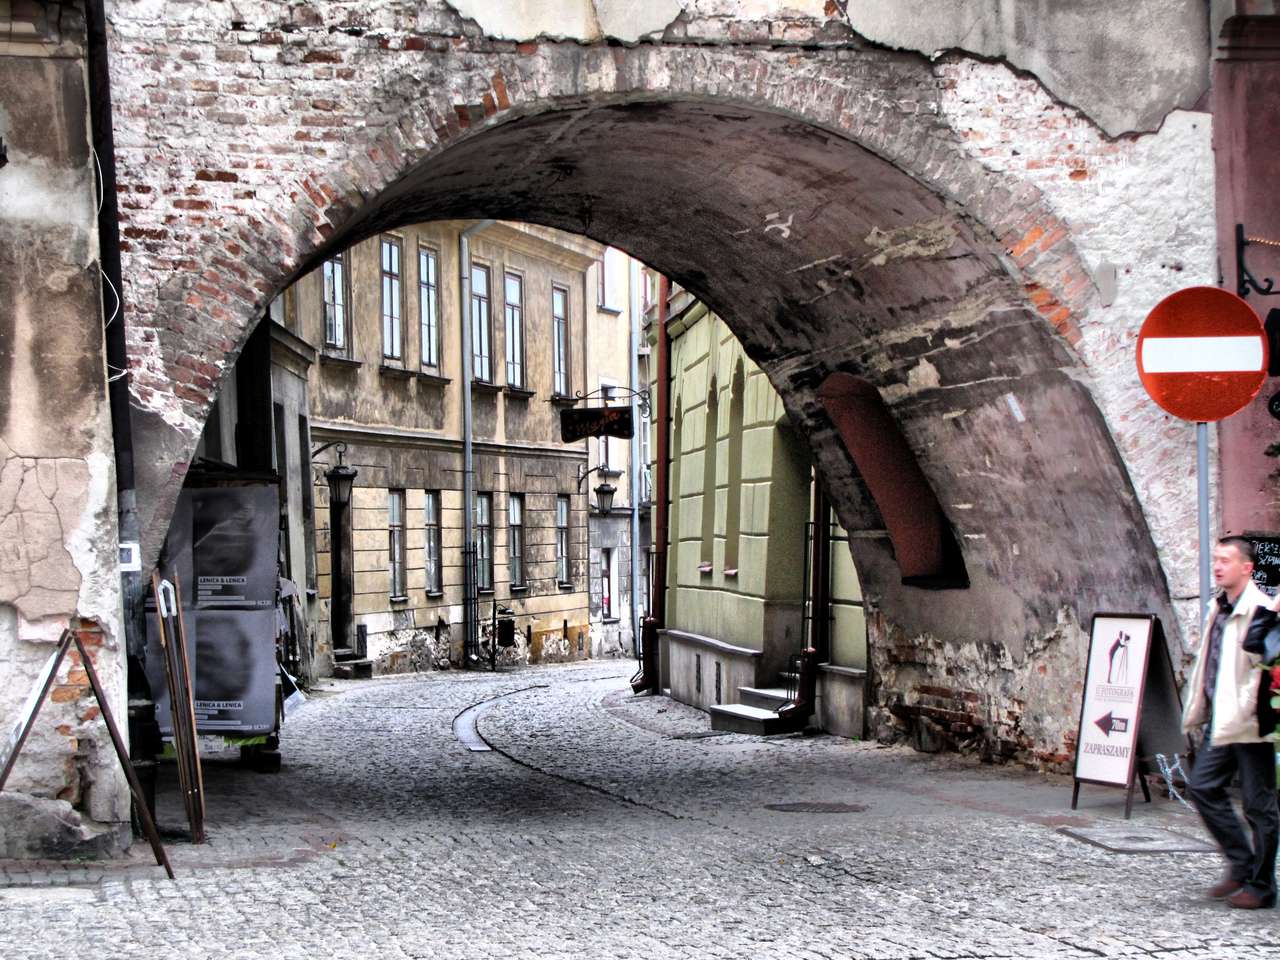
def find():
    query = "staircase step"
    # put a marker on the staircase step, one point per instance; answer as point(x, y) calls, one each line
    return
point(353, 669)
point(769, 698)
point(741, 718)
point(343, 653)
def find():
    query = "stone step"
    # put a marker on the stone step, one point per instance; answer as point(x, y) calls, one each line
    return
point(740, 718)
point(768, 698)
point(353, 670)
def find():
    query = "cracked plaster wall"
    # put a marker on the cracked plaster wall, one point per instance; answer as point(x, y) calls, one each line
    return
point(57, 468)
point(1125, 65)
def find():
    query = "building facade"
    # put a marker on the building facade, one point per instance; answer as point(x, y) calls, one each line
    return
point(388, 391)
point(757, 568)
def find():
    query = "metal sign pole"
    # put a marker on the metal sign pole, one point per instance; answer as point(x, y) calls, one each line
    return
point(1202, 494)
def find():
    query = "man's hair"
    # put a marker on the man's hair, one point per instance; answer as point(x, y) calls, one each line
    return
point(1244, 545)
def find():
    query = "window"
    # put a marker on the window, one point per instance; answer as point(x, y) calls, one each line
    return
point(395, 542)
point(392, 348)
point(562, 539)
point(484, 541)
point(560, 341)
point(336, 321)
point(733, 492)
point(606, 394)
point(429, 305)
point(709, 478)
point(308, 501)
point(513, 309)
point(515, 540)
point(606, 584)
point(481, 368)
point(431, 509)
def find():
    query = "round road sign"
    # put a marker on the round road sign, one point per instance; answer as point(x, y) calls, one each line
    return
point(1202, 354)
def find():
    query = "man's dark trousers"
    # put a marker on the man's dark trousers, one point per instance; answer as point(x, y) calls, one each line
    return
point(1254, 865)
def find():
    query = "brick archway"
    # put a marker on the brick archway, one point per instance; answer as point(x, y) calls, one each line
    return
point(816, 200)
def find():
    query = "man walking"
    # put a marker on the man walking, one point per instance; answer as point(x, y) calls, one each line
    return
point(1229, 695)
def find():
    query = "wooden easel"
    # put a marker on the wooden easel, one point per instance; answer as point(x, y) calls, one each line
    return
point(31, 710)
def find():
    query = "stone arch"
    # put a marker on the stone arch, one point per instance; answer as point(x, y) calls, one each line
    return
point(833, 227)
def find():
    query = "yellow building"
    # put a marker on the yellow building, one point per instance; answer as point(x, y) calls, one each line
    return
point(743, 598)
point(389, 386)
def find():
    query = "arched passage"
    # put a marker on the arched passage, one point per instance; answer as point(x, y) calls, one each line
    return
point(824, 257)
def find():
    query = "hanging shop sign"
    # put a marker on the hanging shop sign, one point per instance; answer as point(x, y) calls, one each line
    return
point(578, 424)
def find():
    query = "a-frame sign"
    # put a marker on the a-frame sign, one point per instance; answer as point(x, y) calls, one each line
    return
point(1131, 710)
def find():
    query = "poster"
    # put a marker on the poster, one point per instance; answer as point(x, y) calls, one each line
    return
point(1119, 647)
point(234, 546)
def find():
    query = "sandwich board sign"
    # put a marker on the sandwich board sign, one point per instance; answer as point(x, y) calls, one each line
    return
point(1131, 710)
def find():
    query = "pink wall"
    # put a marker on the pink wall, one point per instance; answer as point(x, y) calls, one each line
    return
point(1246, 119)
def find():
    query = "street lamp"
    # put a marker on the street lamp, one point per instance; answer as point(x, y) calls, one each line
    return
point(604, 492)
point(340, 478)
point(604, 496)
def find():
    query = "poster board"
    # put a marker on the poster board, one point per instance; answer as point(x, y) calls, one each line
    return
point(1130, 710)
point(224, 539)
point(1266, 569)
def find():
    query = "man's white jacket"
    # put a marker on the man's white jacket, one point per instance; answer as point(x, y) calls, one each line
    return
point(1235, 698)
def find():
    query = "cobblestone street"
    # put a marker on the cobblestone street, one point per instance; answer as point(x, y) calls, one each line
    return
point(603, 825)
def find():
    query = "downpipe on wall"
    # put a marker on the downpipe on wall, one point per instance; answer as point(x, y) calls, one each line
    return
point(471, 595)
point(144, 732)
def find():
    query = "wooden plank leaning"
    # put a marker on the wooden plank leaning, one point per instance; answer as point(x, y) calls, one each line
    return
point(181, 706)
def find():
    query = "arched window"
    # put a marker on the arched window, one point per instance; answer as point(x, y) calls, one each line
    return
point(709, 448)
point(733, 491)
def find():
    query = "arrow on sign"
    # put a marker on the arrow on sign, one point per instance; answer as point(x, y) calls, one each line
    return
point(1109, 723)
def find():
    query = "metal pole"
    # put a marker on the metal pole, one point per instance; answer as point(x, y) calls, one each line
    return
point(1202, 494)
point(633, 480)
point(470, 600)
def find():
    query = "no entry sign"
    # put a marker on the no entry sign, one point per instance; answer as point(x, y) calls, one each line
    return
point(1202, 354)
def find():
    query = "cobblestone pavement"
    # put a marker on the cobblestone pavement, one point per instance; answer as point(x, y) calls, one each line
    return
point(604, 825)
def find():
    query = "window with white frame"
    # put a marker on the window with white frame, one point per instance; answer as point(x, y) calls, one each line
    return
point(481, 357)
point(484, 541)
point(395, 542)
point(513, 311)
point(606, 585)
point(607, 393)
point(562, 539)
point(429, 306)
point(392, 330)
point(336, 289)
point(560, 341)
point(431, 510)
point(515, 539)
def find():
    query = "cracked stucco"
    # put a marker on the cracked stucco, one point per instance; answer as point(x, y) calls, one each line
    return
point(1108, 59)
point(584, 20)
point(41, 502)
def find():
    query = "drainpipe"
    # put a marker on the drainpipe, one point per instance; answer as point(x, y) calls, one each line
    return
point(662, 460)
point(470, 592)
point(633, 480)
point(144, 732)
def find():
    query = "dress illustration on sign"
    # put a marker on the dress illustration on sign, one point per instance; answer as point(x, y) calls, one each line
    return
point(1118, 668)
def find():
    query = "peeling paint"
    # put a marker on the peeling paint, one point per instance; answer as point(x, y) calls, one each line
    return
point(927, 239)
